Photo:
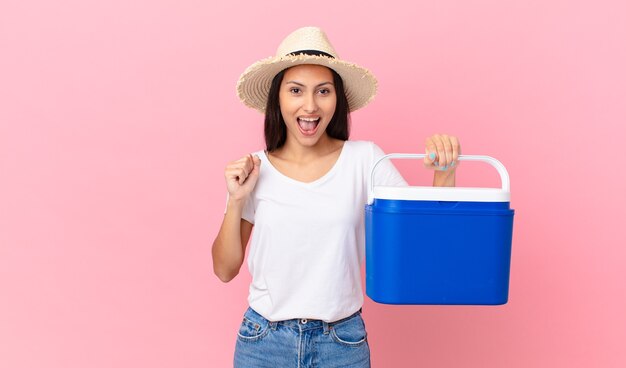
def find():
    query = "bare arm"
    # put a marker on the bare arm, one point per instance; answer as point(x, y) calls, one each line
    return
point(229, 246)
point(444, 179)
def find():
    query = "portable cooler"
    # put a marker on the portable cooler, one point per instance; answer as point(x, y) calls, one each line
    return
point(439, 245)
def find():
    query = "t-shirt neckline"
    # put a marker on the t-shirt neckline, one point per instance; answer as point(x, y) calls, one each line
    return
point(321, 179)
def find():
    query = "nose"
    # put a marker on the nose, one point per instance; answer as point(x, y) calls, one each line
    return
point(310, 104)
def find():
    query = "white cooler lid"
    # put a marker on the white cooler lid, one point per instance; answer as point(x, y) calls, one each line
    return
point(457, 194)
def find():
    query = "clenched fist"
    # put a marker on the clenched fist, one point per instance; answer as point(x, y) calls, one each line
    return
point(241, 176)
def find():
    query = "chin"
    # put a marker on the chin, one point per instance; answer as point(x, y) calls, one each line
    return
point(308, 141)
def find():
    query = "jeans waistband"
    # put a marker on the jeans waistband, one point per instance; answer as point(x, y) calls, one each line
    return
point(305, 323)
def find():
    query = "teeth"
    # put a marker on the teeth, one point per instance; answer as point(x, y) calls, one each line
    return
point(308, 124)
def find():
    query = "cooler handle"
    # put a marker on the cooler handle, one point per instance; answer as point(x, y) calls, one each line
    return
point(504, 175)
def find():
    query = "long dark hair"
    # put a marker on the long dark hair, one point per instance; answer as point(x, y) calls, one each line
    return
point(275, 129)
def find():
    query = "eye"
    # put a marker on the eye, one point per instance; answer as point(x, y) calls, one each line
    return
point(324, 91)
point(294, 90)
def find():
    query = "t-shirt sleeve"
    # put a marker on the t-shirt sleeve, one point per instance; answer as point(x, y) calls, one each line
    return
point(386, 173)
point(248, 209)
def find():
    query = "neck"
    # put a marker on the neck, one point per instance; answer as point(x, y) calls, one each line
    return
point(294, 151)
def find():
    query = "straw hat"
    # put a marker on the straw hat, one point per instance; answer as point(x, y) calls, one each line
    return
point(308, 45)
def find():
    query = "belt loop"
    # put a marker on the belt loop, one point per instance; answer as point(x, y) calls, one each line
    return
point(326, 327)
point(273, 325)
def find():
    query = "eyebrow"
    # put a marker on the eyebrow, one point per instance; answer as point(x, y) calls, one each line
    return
point(302, 85)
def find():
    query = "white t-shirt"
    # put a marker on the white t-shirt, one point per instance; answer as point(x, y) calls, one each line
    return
point(308, 240)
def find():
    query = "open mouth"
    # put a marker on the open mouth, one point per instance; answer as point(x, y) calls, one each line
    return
point(308, 126)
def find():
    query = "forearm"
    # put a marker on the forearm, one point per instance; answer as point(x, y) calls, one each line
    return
point(228, 251)
point(444, 178)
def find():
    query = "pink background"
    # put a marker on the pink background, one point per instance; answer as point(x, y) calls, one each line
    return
point(118, 117)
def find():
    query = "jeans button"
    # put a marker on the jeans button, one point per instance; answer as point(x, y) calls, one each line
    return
point(303, 321)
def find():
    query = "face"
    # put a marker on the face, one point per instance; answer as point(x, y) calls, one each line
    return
point(307, 102)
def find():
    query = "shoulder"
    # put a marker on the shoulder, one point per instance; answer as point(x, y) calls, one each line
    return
point(362, 147)
point(260, 153)
point(362, 153)
point(365, 149)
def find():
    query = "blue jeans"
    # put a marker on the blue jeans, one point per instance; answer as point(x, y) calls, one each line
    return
point(301, 343)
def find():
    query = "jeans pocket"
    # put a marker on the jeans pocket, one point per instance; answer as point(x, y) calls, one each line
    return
point(350, 333)
point(251, 330)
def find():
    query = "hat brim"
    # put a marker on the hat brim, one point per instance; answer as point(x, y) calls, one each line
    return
point(254, 84)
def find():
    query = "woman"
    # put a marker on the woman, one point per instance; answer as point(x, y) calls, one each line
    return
point(304, 196)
